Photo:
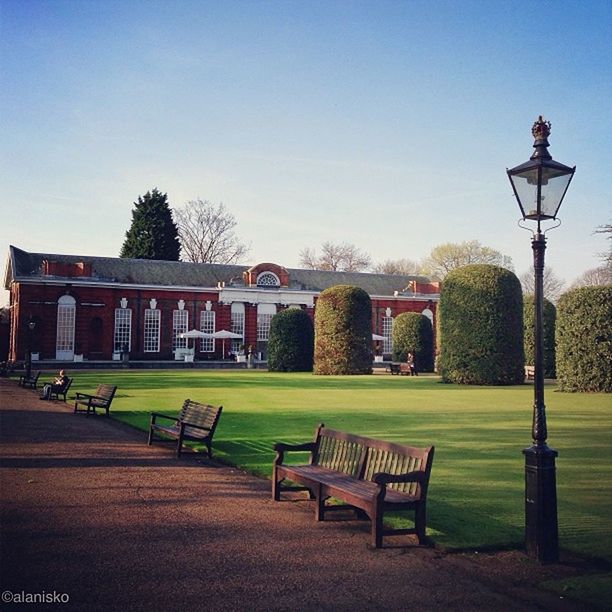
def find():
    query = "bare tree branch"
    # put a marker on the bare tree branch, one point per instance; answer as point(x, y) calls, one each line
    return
point(336, 257)
point(206, 233)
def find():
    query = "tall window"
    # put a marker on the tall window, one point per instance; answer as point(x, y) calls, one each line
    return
point(207, 325)
point(66, 314)
point(237, 324)
point(180, 322)
point(123, 329)
point(387, 328)
point(152, 320)
point(265, 312)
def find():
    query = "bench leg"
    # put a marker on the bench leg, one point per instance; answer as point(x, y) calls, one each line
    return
point(377, 525)
point(420, 523)
point(320, 505)
point(275, 485)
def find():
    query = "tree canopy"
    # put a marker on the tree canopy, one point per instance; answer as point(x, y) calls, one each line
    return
point(153, 233)
point(449, 256)
point(206, 233)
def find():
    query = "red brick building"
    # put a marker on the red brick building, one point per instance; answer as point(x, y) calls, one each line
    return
point(68, 307)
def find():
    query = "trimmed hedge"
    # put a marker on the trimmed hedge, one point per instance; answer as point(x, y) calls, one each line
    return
point(291, 341)
point(584, 339)
point(549, 316)
point(481, 326)
point(343, 331)
point(413, 333)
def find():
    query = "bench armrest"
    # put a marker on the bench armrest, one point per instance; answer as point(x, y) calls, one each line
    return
point(80, 395)
point(156, 415)
point(281, 448)
point(383, 478)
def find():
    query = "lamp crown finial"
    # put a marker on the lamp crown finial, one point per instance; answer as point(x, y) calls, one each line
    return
point(541, 129)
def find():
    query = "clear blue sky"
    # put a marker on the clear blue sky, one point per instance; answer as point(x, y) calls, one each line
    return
point(388, 125)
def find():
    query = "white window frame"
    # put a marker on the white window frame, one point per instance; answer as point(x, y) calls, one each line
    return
point(207, 325)
point(387, 332)
point(180, 324)
point(123, 329)
point(265, 312)
point(66, 318)
point(152, 330)
point(237, 324)
point(268, 279)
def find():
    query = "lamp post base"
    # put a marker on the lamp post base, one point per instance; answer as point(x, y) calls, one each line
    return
point(541, 531)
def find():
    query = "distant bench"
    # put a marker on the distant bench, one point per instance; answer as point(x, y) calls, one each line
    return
point(529, 372)
point(370, 475)
point(195, 422)
point(102, 398)
point(29, 381)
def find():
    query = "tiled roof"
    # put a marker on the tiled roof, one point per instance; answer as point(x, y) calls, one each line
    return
point(23, 266)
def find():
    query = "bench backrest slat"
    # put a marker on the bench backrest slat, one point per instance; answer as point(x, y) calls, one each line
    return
point(340, 453)
point(203, 415)
point(106, 392)
point(363, 457)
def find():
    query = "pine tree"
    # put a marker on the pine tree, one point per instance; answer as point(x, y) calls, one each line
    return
point(153, 233)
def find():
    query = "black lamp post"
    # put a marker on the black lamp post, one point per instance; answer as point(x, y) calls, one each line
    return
point(31, 326)
point(540, 186)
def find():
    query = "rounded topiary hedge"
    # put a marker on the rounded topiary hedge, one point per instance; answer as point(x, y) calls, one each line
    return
point(413, 333)
point(549, 316)
point(481, 326)
point(343, 331)
point(291, 341)
point(584, 339)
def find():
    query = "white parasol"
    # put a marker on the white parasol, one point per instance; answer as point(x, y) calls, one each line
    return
point(223, 335)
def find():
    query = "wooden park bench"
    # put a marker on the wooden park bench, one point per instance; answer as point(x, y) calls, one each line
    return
point(29, 381)
point(63, 390)
point(102, 398)
point(196, 422)
point(371, 476)
point(393, 368)
point(529, 372)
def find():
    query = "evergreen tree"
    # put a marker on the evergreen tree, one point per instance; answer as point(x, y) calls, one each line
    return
point(153, 233)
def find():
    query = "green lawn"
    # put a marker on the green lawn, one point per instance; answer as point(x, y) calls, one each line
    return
point(476, 490)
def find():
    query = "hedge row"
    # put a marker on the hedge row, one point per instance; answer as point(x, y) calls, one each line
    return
point(549, 316)
point(584, 339)
point(291, 342)
point(413, 333)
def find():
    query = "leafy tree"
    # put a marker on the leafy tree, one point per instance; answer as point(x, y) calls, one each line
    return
point(584, 339)
point(413, 333)
point(153, 234)
point(481, 327)
point(449, 256)
point(552, 284)
point(403, 267)
point(206, 233)
point(343, 331)
point(335, 257)
point(549, 316)
point(291, 341)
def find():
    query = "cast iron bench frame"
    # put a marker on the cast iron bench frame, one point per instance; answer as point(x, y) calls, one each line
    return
point(196, 422)
point(369, 475)
point(102, 398)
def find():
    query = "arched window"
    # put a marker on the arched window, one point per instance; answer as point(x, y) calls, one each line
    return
point(268, 279)
point(64, 338)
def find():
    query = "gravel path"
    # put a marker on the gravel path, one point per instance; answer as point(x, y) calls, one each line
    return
point(91, 514)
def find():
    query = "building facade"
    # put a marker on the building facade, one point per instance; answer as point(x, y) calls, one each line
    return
point(70, 307)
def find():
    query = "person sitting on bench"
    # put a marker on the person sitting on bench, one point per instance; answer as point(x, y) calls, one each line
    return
point(57, 385)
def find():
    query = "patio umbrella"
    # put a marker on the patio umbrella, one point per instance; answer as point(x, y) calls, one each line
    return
point(194, 333)
point(223, 335)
